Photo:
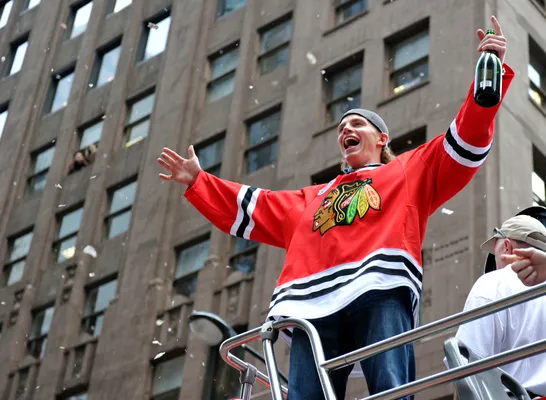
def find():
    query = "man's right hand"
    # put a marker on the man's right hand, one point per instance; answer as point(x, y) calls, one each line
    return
point(181, 170)
point(529, 263)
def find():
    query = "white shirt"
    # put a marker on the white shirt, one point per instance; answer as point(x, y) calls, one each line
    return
point(512, 327)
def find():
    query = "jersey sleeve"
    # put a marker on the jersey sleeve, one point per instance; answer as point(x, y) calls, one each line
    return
point(245, 211)
point(453, 158)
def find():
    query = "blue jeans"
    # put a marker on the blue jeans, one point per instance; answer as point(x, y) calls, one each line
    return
point(372, 317)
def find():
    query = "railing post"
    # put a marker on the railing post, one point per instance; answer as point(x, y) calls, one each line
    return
point(269, 336)
point(247, 379)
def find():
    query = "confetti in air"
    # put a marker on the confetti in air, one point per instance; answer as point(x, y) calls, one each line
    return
point(159, 355)
point(447, 211)
point(311, 58)
point(90, 250)
point(151, 25)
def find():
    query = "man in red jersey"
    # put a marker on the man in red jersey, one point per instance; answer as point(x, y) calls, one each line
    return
point(353, 261)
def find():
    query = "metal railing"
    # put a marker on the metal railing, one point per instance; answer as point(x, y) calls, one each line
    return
point(267, 333)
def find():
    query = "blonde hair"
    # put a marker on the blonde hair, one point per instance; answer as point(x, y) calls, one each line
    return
point(386, 157)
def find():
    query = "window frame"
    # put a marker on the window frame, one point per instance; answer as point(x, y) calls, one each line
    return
point(539, 168)
point(112, 6)
point(129, 126)
point(145, 35)
point(59, 240)
point(166, 358)
point(54, 85)
point(86, 126)
point(9, 264)
point(345, 65)
point(414, 31)
point(10, 59)
point(26, 4)
point(99, 59)
point(341, 5)
point(537, 55)
point(417, 137)
point(191, 275)
point(252, 249)
point(92, 317)
point(29, 191)
point(266, 143)
point(280, 47)
point(110, 215)
point(4, 108)
point(72, 19)
point(220, 8)
point(209, 142)
point(226, 75)
point(2, 9)
point(37, 342)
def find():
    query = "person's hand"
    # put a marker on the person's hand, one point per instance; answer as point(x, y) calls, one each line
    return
point(181, 170)
point(529, 264)
point(496, 42)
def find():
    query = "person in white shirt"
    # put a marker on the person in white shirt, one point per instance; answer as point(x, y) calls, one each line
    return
point(515, 326)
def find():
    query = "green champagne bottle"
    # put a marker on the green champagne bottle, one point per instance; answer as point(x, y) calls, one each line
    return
point(488, 78)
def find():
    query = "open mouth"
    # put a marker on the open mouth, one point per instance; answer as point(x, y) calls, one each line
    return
point(350, 142)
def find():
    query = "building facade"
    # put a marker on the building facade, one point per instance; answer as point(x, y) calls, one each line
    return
point(103, 262)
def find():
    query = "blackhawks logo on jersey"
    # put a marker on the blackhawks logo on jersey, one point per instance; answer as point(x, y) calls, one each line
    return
point(342, 204)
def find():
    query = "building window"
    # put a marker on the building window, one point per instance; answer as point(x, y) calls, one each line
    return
point(343, 87)
point(210, 155)
point(408, 62)
point(91, 134)
point(190, 259)
point(97, 301)
point(538, 178)
point(16, 56)
point(244, 256)
point(41, 322)
point(154, 38)
point(5, 11)
point(222, 74)
point(275, 46)
point(59, 91)
point(65, 245)
point(537, 74)
point(28, 4)
point(347, 9)
point(3, 118)
point(117, 5)
point(119, 216)
point(87, 149)
point(78, 19)
point(14, 267)
point(409, 141)
point(80, 396)
point(138, 119)
point(261, 143)
point(326, 175)
point(167, 379)
point(22, 380)
point(106, 63)
point(227, 6)
point(39, 168)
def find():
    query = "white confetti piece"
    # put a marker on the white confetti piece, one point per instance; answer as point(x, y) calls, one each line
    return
point(159, 322)
point(58, 186)
point(311, 58)
point(90, 250)
point(157, 342)
point(62, 205)
point(159, 355)
point(447, 211)
point(151, 25)
point(91, 274)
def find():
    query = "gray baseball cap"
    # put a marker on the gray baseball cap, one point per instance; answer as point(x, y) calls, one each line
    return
point(371, 117)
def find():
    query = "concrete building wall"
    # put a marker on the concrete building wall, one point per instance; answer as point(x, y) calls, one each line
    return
point(118, 364)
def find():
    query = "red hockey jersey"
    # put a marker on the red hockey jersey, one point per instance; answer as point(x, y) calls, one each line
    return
point(363, 230)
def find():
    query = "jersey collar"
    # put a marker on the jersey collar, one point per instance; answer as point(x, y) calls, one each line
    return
point(365, 167)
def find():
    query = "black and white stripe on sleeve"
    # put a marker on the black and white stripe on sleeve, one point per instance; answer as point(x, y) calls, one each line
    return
point(246, 203)
point(462, 152)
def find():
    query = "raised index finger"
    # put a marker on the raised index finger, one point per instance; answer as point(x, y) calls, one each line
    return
point(496, 25)
point(173, 154)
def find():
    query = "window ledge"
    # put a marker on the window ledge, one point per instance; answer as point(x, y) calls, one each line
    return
point(346, 22)
point(539, 8)
point(322, 131)
point(405, 92)
point(539, 108)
